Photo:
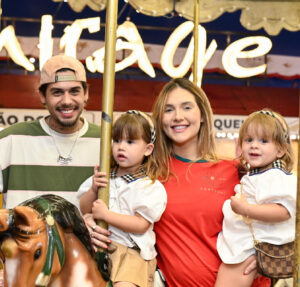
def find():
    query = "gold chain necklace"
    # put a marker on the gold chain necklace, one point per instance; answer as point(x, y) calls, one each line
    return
point(62, 160)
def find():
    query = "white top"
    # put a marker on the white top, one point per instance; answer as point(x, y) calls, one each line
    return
point(138, 196)
point(235, 243)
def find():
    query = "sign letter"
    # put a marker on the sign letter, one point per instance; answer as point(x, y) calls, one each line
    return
point(72, 34)
point(9, 40)
point(235, 51)
point(134, 43)
point(46, 41)
point(172, 44)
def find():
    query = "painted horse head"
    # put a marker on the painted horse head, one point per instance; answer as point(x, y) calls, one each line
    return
point(44, 242)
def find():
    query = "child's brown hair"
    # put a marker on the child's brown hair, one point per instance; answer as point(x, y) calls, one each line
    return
point(135, 125)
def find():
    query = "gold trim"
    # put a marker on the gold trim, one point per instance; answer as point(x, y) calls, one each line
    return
point(271, 15)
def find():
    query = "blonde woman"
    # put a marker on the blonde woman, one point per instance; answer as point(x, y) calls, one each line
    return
point(197, 184)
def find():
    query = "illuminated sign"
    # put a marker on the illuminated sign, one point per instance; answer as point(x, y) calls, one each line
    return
point(235, 51)
point(128, 38)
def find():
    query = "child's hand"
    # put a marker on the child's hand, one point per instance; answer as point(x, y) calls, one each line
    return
point(239, 204)
point(99, 209)
point(99, 179)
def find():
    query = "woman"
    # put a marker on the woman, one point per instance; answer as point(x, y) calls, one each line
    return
point(197, 185)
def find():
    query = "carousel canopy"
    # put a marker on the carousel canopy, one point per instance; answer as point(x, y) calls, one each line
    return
point(279, 20)
point(271, 15)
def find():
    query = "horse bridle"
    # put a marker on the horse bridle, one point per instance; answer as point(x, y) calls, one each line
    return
point(54, 242)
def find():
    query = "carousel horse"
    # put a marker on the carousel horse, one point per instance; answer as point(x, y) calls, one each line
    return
point(44, 242)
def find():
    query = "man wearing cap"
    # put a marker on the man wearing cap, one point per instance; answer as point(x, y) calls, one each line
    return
point(58, 152)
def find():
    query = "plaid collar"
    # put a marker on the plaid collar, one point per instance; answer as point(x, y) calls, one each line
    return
point(275, 164)
point(130, 177)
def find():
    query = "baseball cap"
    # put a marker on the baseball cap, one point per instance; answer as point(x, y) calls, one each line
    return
point(55, 63)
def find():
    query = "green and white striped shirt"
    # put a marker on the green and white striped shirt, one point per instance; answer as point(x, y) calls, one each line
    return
point(28, 160)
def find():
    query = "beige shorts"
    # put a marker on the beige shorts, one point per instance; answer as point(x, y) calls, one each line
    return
point(129, 266)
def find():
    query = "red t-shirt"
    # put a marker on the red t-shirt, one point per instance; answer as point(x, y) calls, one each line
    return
point(186, 235)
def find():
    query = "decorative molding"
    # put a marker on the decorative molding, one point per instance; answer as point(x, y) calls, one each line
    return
point(79, 5)
point(271, 15)
point(153, 7)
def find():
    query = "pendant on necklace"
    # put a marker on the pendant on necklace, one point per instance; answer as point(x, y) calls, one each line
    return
point(64, 160)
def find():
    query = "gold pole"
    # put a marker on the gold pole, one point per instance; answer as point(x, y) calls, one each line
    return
point(1, 194)
point(196, 41)
point(297, 236)
point(108, 95)
point(0, 12)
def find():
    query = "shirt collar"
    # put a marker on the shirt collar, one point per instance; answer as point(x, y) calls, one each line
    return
point(188, 160)
point(279, 164)
point(130, 177)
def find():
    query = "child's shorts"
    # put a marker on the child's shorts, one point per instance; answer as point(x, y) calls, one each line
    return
point(129, 266)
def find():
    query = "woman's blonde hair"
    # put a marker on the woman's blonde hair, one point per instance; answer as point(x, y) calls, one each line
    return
point(270, 125)
point(206, 139)
point(135, 126)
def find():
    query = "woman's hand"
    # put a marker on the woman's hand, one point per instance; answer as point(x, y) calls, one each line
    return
point(98, 234)
point(251, 267)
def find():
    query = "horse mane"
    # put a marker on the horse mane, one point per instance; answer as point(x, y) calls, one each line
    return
point(65, 214)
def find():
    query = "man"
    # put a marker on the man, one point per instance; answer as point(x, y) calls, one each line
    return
point(58, 152)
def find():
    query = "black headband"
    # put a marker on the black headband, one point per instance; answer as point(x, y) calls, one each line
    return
point(269, 113)
point(149, 121)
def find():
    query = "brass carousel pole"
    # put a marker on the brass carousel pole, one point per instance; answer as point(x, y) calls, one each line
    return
point(0, 12)
point(108, 95)
point(1, 195)
point(106, 120)
point(297, 236)
point(196, 41)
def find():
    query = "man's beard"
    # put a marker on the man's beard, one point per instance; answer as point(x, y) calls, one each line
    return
point(67, 123)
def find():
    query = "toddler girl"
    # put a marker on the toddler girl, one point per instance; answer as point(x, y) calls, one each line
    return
point(266, 195)
point(136, 200)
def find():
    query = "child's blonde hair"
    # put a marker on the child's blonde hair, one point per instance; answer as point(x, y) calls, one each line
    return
point(272, 126)
point(135, 125)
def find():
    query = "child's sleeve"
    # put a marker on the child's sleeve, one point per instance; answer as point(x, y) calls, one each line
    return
point(84, 187)
point(151, 200)
point(278, 187)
